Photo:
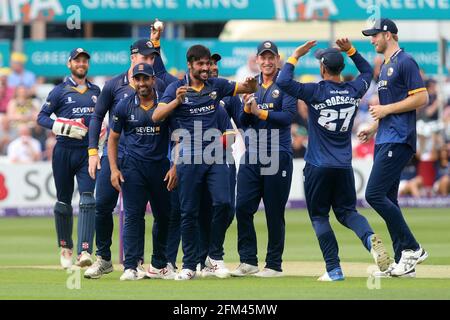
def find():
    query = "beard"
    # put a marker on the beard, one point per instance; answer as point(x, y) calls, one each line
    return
point(79, 74)
point(144, 92)
point(198, 75)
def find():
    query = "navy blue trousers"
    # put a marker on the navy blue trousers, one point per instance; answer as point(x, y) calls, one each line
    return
point(193, 180)
point(382, 193)
point(144, 182)
point(274, 191)
point(68, 163)
point(105, 201)
point(327, 188)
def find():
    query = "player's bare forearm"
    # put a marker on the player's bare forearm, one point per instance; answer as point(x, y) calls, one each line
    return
point(248, 86)
point(163, 110)
point(412, 102)
point(113, 144)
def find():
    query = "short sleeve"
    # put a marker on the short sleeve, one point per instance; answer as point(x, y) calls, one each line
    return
point(411, 76)
point(224, 87)
point(170, 93)
point(119, 117)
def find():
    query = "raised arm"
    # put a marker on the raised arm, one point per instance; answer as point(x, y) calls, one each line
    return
point(286, 80)
point(363, 80)
point(172, 98)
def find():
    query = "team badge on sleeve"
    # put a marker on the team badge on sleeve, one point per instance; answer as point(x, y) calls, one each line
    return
point(390, 71)
point(213, 95)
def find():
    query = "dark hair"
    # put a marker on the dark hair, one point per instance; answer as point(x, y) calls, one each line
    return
point(197, 52)
point(333, 71)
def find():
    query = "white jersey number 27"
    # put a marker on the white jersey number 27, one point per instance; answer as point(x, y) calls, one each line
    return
point(327, 116)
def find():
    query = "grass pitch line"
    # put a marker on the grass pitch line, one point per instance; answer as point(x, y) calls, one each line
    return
point(305, 269)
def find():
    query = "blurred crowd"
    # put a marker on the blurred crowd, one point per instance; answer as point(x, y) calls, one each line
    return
point(23, 141)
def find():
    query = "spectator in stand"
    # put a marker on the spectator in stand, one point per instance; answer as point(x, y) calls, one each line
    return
point(22, 108)
point(49, 146)
point(6, 93)
point(19, 76)
point(410, 182)
point(431, 111)
point(24, 149)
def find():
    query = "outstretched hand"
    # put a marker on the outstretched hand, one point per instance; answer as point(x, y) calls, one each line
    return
point(344, 44)
point(304, 49)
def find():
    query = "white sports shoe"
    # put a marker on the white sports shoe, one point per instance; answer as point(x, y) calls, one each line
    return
point(171, 267)
point(379, 253)
point(244, 269)
point(268, 273)
point(388, 273)
point(129, 275)
point(185, 274)
point(66, 258)
point(141, 273)
point(84, 259)
point(99, 268)
point(215, 268)
point(166, 273)
point(408, 262)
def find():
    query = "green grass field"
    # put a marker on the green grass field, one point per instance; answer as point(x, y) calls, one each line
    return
point(29, 259)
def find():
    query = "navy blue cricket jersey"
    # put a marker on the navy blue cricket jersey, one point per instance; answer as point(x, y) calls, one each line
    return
point(67, 100)
point(332, 108)
point(113, 92)
point(399, 77)
point(143, 139)
point(234, 108)
point(198, 109)
point(281, 109)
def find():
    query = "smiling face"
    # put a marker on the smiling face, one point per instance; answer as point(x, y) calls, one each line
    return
point(268, 62)
point(144, 85)
point(200, 69)
point(79, 66)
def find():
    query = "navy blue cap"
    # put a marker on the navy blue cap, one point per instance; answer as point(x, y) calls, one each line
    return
point(76, 52)
point(143, 68)
point(216, 57)
point(381, 25)
point(331, 58)
point(144, 47)
point(267, 46)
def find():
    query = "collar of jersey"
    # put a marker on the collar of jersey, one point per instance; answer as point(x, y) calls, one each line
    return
point(393, 56)
point(137, 101)
point(75, 85)
point(260, 79)
point(187, 79)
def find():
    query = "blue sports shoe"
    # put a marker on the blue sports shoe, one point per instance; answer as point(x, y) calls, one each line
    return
point(334, 275)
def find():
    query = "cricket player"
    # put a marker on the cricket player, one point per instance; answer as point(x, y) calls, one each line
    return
point(141, 176)
point(192, 103)
point(401, 91)
point(328, 174)
point(268, 114)
point(116, 89)
point(73, 103)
